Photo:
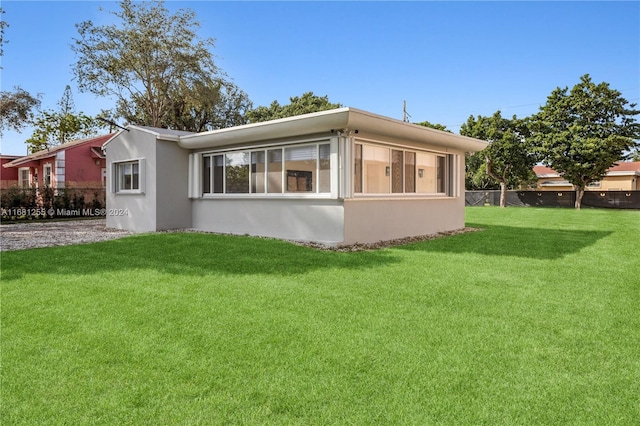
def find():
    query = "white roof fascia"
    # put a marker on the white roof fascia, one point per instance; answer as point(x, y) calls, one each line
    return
point(160, 134)
point(163, 134)
point(324, 122)
point(317, 122)
point(390, 127)
point(112, 138)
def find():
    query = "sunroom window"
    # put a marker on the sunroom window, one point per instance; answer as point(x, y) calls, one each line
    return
point(237, 172)
point(258, 172)
point(278, 170)
point(300, 164)
point(376, 169)
point(274, 171)
point(385, 170)
point(324, 168)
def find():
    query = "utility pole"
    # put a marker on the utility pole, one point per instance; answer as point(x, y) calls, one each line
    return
point(405, 115)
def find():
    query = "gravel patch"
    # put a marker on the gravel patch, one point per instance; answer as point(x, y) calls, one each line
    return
point(27, 235)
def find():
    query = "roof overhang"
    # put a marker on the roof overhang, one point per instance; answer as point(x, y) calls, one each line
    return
point(158, 133)
point(29, 161)
point(96, 152)
point(325, 122)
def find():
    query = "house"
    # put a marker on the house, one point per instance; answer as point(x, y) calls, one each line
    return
point(335, 177)
point(9, 176)
point(76, 164)
point(75, 171)
point(624, 176)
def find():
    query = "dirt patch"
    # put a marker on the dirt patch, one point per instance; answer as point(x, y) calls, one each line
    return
point(389, 243)
point(26, 235)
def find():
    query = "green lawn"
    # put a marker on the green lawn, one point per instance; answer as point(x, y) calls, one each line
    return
point(534, 320)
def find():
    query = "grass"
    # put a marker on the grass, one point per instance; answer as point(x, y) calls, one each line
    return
point(534, 320)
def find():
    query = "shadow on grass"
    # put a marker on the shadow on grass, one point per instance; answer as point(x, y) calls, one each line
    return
point(187, 254)
point(496, 240)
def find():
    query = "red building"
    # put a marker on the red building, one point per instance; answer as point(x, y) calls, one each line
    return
point(8, 176)
point(76, 164)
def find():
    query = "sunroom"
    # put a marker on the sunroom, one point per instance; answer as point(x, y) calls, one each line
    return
point(335, 177)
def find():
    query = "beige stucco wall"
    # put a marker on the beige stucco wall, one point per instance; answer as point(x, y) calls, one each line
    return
point(370, 221)
point(608, 183)
point(618, 183)
point(566, 187)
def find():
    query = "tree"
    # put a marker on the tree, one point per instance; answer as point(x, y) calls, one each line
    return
point(208, 105)
point(476, 177)
point(3, 25)
point(54, 127)
point(304, 104)
point(434, 126)
point(16, 109)
point(509, 158)
point(145, 61)
point(583, 132)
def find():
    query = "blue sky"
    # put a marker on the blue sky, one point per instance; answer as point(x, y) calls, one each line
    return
point(448, 60)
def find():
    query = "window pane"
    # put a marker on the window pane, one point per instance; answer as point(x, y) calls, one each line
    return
point(24, 178)
point(300, 164)
point(376, 169)
point(135, 176)
point(274, 171)
point(409, 172)
point(206, 175)
point(324, 168)
point(441, 174)
point(218, 174)
point(397, 162)
point(426, 180)
point(237, 173)
point(47, 175)
point(257, 172)
point(357, 169)
point(126, 176)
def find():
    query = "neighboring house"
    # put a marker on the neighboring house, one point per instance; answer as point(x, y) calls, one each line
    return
point(76, 164)
point(624, 176)
point(335, 177)
point(9, 176)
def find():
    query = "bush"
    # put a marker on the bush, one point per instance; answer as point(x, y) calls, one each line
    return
point(31, 203)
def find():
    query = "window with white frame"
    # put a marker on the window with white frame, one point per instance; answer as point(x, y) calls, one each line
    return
point(24, 177)
point(388, 170)
point(303, 168)
point(46, 171)
point(127, 176)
